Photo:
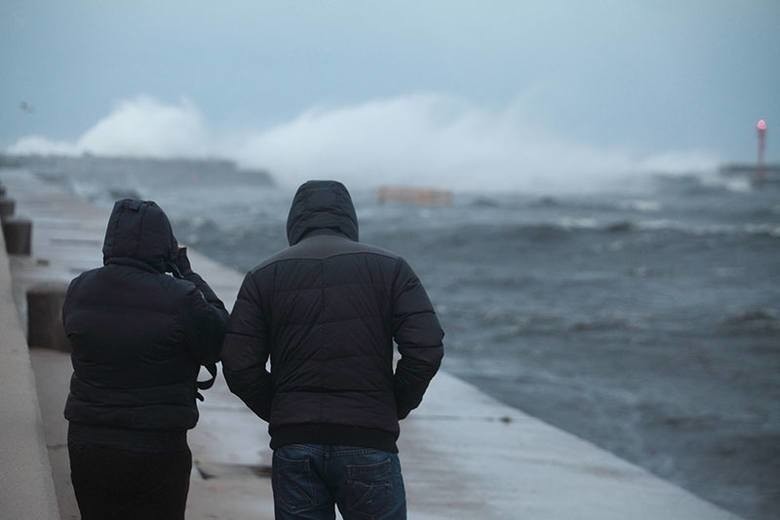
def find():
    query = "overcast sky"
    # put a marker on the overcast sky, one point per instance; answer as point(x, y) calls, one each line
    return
point(647, 76)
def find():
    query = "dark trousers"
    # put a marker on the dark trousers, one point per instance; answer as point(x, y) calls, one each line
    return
point(309, 479)
point(125, 485)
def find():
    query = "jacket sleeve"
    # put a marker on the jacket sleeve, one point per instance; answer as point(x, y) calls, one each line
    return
point(207, 319)
point(419, 336)
point(246, 350)
point(66, 305)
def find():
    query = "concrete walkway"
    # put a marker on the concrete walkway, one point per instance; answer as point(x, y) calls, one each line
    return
point(464, 454)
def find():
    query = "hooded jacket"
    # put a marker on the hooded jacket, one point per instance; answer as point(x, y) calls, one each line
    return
point(139, 335)
point(326, 310)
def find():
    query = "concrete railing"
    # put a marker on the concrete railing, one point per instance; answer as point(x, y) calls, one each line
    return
point(26, 485)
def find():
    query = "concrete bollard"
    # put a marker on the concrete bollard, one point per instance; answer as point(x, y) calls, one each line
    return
point(44, 316)
point(7, 207)
point(18, 236)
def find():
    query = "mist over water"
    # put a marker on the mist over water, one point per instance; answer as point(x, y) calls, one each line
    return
point(432, 140)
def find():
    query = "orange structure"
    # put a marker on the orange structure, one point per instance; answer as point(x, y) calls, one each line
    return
point(414, 196)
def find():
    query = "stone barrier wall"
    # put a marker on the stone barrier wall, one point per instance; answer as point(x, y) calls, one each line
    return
point(26, 485)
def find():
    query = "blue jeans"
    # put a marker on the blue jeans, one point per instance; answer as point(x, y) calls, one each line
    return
point(309, 479)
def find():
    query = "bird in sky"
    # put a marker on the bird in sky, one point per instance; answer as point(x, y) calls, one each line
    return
point(26, 107)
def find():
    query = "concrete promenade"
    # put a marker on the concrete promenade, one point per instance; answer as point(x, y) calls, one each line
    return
point(464, 454)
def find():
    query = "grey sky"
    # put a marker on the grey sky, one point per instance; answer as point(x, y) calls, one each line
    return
point(647, 76)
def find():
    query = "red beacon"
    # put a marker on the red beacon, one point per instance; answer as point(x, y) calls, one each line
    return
point(761, 128)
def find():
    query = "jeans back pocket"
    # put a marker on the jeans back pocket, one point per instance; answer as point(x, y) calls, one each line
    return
point(369, 492)
point(292, 484)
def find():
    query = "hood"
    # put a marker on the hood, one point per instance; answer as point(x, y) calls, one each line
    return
point(321, 205)
point(140, 230)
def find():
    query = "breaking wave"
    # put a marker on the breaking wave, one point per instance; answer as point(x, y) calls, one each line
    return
point(414, 140)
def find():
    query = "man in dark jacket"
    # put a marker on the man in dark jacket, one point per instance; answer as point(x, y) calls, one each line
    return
point(326, 310)
point(139, 338)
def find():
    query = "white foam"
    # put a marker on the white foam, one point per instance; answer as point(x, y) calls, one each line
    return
point(139, 127)
point(431, 140)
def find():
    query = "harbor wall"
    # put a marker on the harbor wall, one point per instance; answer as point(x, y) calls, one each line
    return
point(26, 485)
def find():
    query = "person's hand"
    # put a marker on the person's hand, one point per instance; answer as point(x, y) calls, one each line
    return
point(182, 262)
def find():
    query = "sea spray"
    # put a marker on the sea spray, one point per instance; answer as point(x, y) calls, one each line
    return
point(432, 140)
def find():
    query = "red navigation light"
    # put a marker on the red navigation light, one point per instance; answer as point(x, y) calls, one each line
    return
point(761, 125)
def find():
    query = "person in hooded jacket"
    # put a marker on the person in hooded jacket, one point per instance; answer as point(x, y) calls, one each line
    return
point(139, 337)
point(326, 311)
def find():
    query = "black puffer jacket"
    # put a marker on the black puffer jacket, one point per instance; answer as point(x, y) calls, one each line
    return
point(139, 336)
point(327, 310)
